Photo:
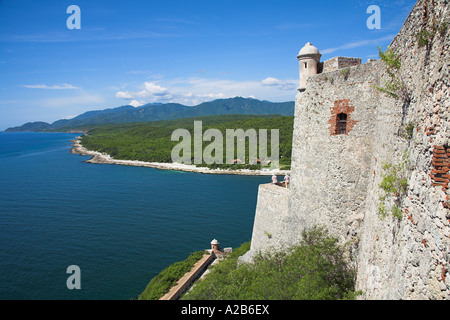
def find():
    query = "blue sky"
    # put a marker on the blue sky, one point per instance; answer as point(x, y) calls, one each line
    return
point(142, 51)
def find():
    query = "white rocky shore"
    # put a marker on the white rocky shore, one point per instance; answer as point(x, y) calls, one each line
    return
point(98, 157)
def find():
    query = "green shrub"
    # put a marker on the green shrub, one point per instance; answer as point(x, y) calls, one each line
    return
point(382, 213)
point(391, 59)
point(407, 131)
point(345, 72)
point(394, 88)
point(315, 269)
point(167, 278)
point(397, 212)
point(442, 29)
point(394, 184)
point(423, 37)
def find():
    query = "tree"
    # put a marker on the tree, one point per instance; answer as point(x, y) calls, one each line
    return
point(316, 269)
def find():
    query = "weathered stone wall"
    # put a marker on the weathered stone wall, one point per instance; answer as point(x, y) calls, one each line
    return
point(335, 178)
point(271, 221)
point(409, 259)
point(331, 172)
point(337, 63)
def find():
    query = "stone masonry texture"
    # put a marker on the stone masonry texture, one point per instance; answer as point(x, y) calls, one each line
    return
point(335, 178)
point(337, 63)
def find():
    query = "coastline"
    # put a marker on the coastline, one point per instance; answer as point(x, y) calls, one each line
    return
point(98, 157)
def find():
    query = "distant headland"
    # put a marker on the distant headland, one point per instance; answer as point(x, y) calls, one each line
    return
point(103, 158)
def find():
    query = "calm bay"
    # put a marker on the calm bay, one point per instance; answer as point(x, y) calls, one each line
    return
point(120, 224)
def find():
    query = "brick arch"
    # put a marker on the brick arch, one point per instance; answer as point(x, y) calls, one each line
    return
point(341, 106)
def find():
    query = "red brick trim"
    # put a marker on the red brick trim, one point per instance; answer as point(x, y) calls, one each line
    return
point(341, 106)
point(441, 164)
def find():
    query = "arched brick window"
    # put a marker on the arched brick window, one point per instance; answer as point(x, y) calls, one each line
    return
point(341, 122)
point(341, 125)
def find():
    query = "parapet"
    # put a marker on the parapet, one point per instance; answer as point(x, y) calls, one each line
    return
point(337, 63)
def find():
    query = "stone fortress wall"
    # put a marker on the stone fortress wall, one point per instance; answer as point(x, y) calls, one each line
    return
point(335, 175)
point(337, 63)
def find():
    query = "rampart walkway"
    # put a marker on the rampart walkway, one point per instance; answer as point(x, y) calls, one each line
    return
point(185, 281)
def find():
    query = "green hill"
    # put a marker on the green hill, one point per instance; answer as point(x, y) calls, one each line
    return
point(151, 141)
point(167, 111)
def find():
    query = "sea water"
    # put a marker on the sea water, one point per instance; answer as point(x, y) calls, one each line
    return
point(121, 225)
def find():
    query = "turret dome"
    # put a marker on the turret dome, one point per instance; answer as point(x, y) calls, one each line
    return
point(309, 59)
point(308, 49)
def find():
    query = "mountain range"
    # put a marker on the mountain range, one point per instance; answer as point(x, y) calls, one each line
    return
point(161, 111)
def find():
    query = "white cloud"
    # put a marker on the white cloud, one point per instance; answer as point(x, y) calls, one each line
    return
point(360, 43)
point(282, 84)
point(150, 90)
point(94, 34)
point(154, 89)
point(63, 86)
point(73, 101)
point(139, 72)
point(70, 116)
point(270, 81)
point(194, 90)
point(136, 103)
point(124, 95)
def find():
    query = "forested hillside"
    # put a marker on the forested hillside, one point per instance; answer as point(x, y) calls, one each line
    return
point(151, 141)
point(161, 111)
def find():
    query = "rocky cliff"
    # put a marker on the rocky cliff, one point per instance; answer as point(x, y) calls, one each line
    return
point(381, 185)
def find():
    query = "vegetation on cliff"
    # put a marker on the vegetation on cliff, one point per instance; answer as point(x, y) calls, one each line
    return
point(316, 269)
point(394, 87)
point(394, 187)
point(167, 278)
